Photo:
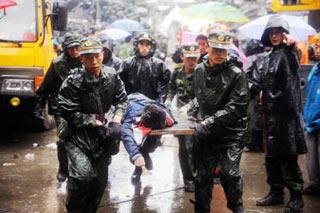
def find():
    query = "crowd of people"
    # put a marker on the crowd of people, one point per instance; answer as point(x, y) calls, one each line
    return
point(99, 100)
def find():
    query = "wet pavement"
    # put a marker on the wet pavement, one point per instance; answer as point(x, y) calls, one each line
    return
point(28, 168)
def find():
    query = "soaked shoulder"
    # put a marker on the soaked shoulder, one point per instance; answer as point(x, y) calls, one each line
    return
point(76, 77)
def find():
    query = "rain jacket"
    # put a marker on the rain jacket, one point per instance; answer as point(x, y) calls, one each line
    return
point(312, 106)
point(82, 98)
point(146, 75)
point(222, 94)
point(114, 62)
point(281, 97)
point(136, 105)
point(57, 73)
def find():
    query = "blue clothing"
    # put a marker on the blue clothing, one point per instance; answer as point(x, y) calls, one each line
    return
point(312, 106)
point(135, 108)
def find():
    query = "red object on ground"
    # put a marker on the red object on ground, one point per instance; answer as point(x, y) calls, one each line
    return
point(6, 3)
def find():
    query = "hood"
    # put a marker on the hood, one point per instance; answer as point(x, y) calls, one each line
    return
point(274, 21)
point(253, 47)
point(152, 51)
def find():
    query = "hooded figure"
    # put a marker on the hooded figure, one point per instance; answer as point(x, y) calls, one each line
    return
point(144, 73)
point(281, 101)
point(109, 58)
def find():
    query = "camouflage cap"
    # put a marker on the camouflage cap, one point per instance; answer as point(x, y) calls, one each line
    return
point(144, 36)
point(90, 45)
point(71, 40)
point(191, 51)
point(219, 39)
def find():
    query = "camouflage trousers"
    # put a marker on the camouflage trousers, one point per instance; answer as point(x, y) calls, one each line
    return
point(207, 161)
point(284, 171)
point(186, 157)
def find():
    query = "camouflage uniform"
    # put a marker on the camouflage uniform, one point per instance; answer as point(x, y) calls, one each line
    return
point(83, 99)
point(59, 70)
point(181, 85)
point(222, 94)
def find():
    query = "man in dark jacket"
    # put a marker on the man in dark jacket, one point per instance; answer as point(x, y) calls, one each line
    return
point(181, 85)
point(109, 59)
point(144, 73)
point(282, 109)
point(84, 99)
point(221, 90)
point(142, 115)
point(59, 70)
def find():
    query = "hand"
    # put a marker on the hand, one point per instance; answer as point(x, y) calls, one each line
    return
point(289, 40)
point(201, 130)
point(98, 123)
point(139, 162)
point(114, 130)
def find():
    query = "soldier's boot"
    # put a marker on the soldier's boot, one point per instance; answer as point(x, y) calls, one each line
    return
point(275, 197)
point(239, 209)
point(295, 203)
point(135, 178)
point(148, 161)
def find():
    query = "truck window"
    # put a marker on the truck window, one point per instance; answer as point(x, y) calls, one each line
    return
point(19, 23)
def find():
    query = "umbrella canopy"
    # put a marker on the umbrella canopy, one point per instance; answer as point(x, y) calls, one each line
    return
point(115, 33)
point(299, 29)
point(215, 11)
point(128, 25)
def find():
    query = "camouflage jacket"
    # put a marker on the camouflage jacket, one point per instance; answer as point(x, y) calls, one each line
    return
point(83, 98)
point(222, 94)
point(59, 70)
point(148, 76)
point(181, 84)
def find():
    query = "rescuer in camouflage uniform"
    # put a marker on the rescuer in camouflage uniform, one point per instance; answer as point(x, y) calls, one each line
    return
point(84, 99)
point(221, 90)
point(59, 70)
point(181, 84)
point(144, 73)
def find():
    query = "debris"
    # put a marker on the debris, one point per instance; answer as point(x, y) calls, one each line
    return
point(29, 156)
point(8, 164)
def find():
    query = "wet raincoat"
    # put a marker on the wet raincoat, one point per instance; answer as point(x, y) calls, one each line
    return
point(281, 96)
point(83, 97)
point(146, 75)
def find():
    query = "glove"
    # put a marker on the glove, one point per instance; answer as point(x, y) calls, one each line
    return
point(102, 133)
point(201, 130)
point(139, 162)
point(114, 130)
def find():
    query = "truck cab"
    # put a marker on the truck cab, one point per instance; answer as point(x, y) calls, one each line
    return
point(26, 52)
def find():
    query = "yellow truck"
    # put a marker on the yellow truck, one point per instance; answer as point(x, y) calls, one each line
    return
point(26, 51)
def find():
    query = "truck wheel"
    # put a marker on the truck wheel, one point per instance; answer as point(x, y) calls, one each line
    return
point(48, 122)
